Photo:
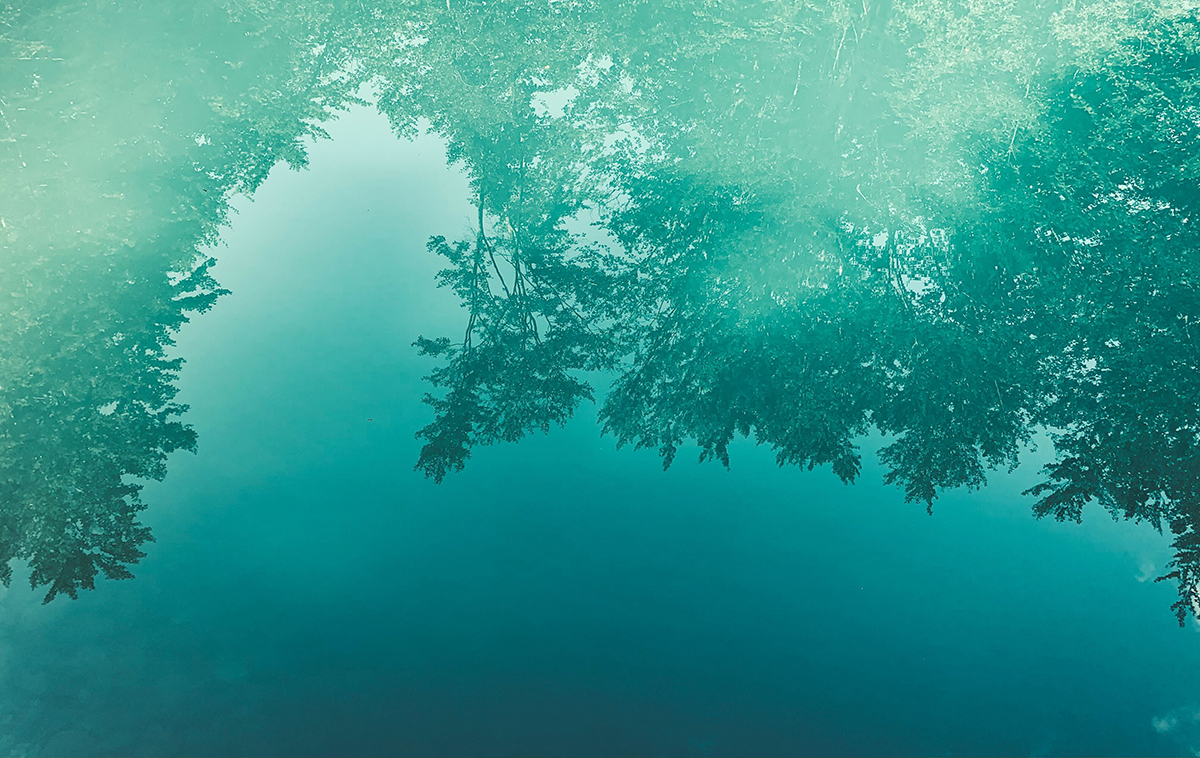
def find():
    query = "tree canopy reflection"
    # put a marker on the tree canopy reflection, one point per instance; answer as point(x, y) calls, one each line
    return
point(125, 133)
point(956, 223)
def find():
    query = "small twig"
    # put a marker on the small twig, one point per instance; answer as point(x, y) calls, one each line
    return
point(799, 68)
point(838, 56)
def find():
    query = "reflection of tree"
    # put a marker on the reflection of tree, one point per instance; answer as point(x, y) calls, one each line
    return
point(512, 371)
point(954, 223)
point(91, 410)
point(954, 246)
point(124, 135)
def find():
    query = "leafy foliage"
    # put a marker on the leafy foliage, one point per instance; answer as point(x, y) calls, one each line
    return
point(954, 221)
point(125, 133)
point(957, 222)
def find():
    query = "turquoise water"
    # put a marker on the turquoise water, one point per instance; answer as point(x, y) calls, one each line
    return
point(307, 591)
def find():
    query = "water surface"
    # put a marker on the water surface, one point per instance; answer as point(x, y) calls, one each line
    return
point(833, 267)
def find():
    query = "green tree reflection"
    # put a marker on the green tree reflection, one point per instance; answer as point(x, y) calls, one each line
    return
point(956, 223)
point(125, 132)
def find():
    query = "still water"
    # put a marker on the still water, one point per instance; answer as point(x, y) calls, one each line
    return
point(639, 379)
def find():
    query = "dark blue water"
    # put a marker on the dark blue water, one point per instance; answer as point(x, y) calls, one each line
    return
point(309, 593)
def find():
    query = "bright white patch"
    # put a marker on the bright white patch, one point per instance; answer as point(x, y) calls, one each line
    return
point(1147, 569)
point(554, 103)
point(917, 285)
point(1164, 725)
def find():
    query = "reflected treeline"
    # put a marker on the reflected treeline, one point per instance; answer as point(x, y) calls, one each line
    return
point(955, 223)
point(125, 130)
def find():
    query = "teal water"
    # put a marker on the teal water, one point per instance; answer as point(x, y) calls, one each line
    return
point(299, 588)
